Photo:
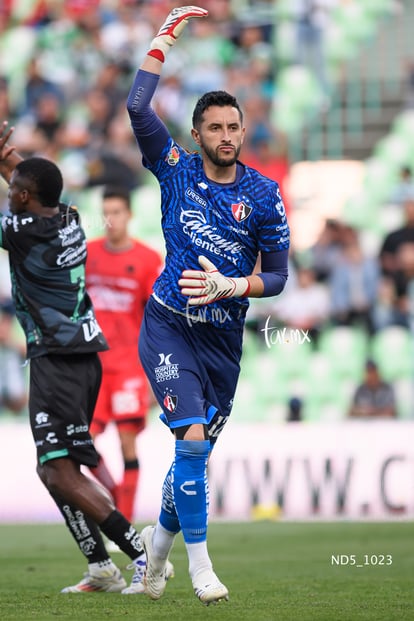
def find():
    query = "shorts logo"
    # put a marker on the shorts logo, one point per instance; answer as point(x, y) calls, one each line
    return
point(71, 429)
point(166, 370)
point(240, 211)
point(51, 438)
point(173, 156)
point(170, 402)
point(90, 329)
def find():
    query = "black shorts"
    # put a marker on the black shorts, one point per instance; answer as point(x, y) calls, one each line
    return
point(63, 393)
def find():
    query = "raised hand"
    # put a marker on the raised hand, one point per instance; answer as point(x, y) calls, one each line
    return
point(5, 133)
point(172, 29)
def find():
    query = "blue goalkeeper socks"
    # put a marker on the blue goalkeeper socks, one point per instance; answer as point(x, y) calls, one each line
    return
point(190, 488)
point(168, 515)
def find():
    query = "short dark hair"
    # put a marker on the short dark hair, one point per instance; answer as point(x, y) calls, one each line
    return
point(45, 176)
point(114, 191)
point(214, 98)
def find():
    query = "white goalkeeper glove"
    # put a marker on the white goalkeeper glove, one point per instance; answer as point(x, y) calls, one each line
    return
point(172, 29)
point(210, 285)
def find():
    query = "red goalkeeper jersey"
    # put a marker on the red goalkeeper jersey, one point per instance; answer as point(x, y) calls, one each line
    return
point(120, 283)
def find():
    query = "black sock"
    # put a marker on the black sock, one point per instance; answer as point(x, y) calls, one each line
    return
point(132, 464)
point(84, 531)
point(117, 528)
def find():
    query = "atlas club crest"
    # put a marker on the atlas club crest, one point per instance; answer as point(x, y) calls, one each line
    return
point(170, 402)
point(240, 211)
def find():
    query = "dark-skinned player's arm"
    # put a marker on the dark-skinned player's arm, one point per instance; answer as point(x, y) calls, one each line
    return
point(9, 158)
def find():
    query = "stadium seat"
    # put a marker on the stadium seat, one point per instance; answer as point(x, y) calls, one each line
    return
point(284, 10)
point(290, 358)
point(17, 46)
point(89, 204)
point(146, 221)
point(284, 43)
point(392, 349)
point(251, 350)
point(347, 348)
point(381, 174)
point(379, 8)
point(403, 125)
point(340, 46)
point(361, 211)
point(394, 150)
point(326, 391)
point(297, 99)
point(260, 396)
point(353, 18)
point(404, 392)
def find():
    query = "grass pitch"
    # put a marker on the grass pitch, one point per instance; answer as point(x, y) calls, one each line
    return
point(275, 571)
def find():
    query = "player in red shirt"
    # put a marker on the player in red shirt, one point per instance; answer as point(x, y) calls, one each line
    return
point(120, 272)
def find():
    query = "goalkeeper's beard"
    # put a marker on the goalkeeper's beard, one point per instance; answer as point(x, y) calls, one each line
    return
point(216, 159)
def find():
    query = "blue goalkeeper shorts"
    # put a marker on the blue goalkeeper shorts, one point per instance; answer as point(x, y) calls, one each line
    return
point(193, 368)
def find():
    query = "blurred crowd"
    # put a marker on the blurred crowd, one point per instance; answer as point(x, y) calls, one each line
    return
point(65, 85)
point(339, 281)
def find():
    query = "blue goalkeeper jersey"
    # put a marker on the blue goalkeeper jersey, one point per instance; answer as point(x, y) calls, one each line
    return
point(228, 223)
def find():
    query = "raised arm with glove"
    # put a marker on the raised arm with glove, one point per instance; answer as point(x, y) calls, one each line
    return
point(172, 29)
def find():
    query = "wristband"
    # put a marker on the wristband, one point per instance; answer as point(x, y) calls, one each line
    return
point(156, 53)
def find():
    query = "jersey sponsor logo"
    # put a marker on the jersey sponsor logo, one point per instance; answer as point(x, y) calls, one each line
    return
point(70, 234)
point(192, 194)
point(173, 156)
point(165, 359)
point(72, 255)
point(42, 420)
point(238, 231)
point(166, 370)
point(280, 207)
point(170, 402)
point(199, 230)
point(241, 211)
point(91, 329)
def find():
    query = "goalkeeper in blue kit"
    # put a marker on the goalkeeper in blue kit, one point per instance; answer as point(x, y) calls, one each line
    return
point(218, 217)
